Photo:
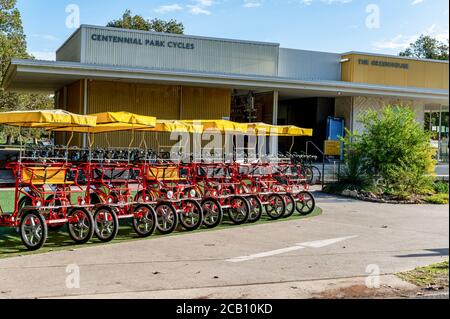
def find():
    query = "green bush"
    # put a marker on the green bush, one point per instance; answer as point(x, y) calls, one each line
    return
point(439, 199)
point(353, 174)
point(441, 187)
point(394, 152)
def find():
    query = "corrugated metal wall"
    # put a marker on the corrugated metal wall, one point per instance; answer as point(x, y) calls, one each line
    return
point(162, 101)
point(309, 65)
point(207, 55)
point(420, 74)
point(71, 50)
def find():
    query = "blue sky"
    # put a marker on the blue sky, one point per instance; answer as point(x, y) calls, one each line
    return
point(380, 26)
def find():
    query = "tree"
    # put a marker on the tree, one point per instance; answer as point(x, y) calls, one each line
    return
point(426, 47)
point(395, 150)
point(13, 45)
point(137, 22)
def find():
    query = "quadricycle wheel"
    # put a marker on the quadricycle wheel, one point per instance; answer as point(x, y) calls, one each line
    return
point(144, 220)
point(191, 214)
point(166, 217)
point(33, 230)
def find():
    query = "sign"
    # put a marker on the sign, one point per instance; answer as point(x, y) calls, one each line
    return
point(142, 42)
point(387, 64)
point(332, 148)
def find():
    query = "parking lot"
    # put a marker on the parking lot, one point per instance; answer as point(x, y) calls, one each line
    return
point(295, 258)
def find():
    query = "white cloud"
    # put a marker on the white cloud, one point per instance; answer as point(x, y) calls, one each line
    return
point(44, 55)
point(401, 42)
point(417, 2)
point(169, 8)
point(252, 3)
point(47, 37)
point(309, 2)
point(200, 7)
point(198, 10)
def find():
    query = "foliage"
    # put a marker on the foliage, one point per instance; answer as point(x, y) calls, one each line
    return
point(433, 275)
point(353, 175)
point(438, 199)
point(13, 45)
point(137, 22)
point(427, 47)
point(441, 187)
point(393, 154)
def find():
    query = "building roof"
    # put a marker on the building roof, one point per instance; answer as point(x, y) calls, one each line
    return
point(48, 76)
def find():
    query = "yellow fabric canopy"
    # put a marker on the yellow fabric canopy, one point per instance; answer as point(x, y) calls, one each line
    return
point(168, 126)
point(277, 130)
point(222, 126)
point(114, 122)
point(125, 118)
point(46, 119)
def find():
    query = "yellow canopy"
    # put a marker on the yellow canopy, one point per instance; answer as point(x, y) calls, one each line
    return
point(277, 130)
point(169, 126)
point(46, 119)
point(114, 122)
point(125, 118)
point(223, 126)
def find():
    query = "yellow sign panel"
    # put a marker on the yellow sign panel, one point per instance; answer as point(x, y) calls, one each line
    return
point(332, 148)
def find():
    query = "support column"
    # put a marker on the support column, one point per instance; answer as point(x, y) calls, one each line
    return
point(274, 139)
point(85, 107)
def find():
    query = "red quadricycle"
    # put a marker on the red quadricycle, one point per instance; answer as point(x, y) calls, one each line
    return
point(171, 186)
point(46, 187)
point(219, 183)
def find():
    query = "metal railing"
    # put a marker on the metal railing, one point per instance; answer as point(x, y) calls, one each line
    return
point(323, 160)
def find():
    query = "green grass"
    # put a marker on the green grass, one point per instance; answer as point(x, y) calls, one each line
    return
point(438, 199)
point(433, 275)
point(7, 201)
point(11, 245)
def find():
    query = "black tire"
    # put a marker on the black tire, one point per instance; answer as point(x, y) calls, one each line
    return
point(291, 205)
point(308, 174)
point(33, 230)
point(184, 218)
point(166, 218)
point(317, 175)
point(212, 212)
point(82, 231)
point(306, 203)
point(144, 221)
point(24, 202)
point(239, 215)
point(94, 199)
point(275, 206)
point(256, 208)
point(54, 227)
point(144, 196)
point(106, 225)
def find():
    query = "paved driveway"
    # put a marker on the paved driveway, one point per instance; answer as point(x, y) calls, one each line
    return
point(349, 240)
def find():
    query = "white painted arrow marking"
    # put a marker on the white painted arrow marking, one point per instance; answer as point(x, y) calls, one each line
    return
point(311, 244)
point(324, 243)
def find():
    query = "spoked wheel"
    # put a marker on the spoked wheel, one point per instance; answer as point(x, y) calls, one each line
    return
point(305, 203)
point(33, 230)
point(81, 225)
point(212, 213)
point(239, 210)
point(290, 202)
point(106, 224)
point(167, 219)
point(191, 215)
point(144, 220)
point(256, 208)
point(275, 206)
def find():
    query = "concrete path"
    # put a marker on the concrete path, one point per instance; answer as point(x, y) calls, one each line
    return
point(293, 259)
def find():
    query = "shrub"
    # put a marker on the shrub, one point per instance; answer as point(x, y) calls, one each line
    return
point(395, 150)
point(441, 187)
point(439, 199)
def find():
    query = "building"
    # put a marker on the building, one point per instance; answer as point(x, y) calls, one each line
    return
point(189, 77)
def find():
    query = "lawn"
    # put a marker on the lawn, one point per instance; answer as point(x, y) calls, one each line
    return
point(11, 245)
point(435, 275)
